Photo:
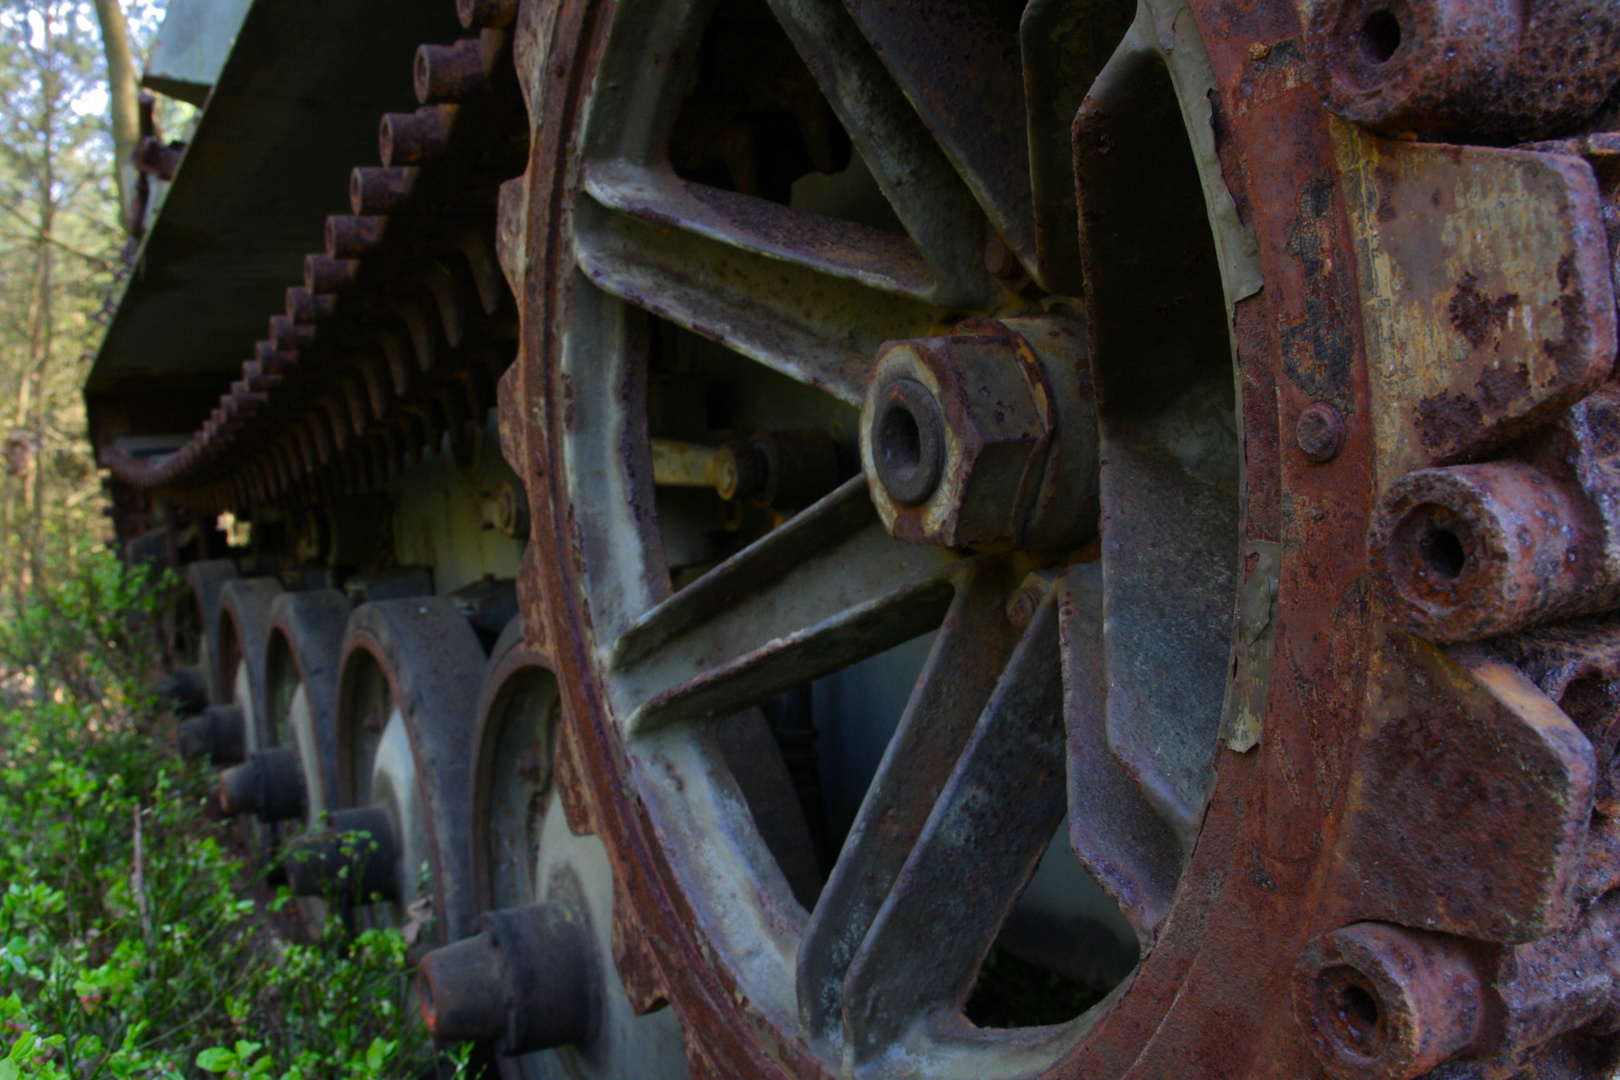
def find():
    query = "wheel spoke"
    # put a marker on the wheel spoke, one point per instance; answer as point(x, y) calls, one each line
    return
point(826, 589)
point(962, 671)
point(979, 121)
point(1169, 540)
point(927, 194)
point(841, 249)
point(1118, 835)
point(1065, 44)
point(982, 841)
point(818, 320)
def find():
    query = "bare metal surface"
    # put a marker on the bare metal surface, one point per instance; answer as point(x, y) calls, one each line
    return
point(1468, 350)
point(974, 643)
point(995, 813)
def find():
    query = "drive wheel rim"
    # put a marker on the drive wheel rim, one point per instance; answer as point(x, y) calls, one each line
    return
point(720, 935)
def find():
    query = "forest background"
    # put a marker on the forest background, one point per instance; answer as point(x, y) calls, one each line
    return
point(68, 117)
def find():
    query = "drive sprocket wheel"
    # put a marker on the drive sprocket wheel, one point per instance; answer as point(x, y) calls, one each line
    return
point(1121, 456)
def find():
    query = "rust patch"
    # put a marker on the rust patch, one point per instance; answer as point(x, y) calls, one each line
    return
point(639, 970)
point(1479, 761)
point(1569, 350)
point(1444, 420)
point(1475, 315)
point(1472, 342)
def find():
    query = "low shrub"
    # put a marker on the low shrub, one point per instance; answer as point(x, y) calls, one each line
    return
point(129, 944)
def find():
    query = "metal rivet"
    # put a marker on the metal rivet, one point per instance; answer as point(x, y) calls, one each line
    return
point(1320, 432)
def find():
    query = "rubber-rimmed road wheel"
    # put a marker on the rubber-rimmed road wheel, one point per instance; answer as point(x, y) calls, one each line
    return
point(302, 663)
point(411, 674)
point(243, 636)
point(512, 771)
point(526, 853)
point(204, 580)
point(1195, 673)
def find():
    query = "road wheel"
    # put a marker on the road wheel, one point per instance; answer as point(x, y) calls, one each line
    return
point(290, 784)
point(396, 844)
point(200, 624)
point(244, 636)
point(543, 946)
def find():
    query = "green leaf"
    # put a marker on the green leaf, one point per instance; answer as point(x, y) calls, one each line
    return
point(8, 1069)
point(216, 1059)
point(23, 1048)
point(378, 1053)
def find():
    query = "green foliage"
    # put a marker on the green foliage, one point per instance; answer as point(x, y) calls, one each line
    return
point(84, 633)
point(128, 946)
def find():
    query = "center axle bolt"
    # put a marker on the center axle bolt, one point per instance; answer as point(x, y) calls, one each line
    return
point(356, 855)
point(986, 438)
point(219, 734)
point(270, 785)
point(526, 981)
point(909, 442)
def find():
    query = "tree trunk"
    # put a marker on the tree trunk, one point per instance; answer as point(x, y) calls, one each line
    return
point(121, 86)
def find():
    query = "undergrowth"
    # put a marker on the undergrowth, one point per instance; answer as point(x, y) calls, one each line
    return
point(129, 945)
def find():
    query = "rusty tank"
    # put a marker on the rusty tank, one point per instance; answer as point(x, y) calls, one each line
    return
point(965, 538)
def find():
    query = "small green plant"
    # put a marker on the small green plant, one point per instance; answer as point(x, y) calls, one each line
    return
point(128, 946)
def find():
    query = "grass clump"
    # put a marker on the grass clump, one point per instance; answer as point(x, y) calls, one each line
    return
point(129, 946)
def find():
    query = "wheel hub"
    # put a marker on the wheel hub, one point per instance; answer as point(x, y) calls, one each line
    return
point(986, 437)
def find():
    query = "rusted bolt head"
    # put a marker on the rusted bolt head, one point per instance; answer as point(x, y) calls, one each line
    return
point(984, 438)
point(219, 734)
point(1320, 432)
point(354, 858)
point(1463, 65)
point(1026, 599)
point(1469, 551)
point(183, 691)
point(999, 258)
point(1381, 1002)
point(506, 509)
point(270, 785)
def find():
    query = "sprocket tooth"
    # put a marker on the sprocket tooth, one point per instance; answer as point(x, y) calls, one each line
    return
point(512, 231)
point(1471, 342)
point(1471, 802)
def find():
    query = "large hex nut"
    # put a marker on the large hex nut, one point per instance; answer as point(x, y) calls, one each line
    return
point(960, 436)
